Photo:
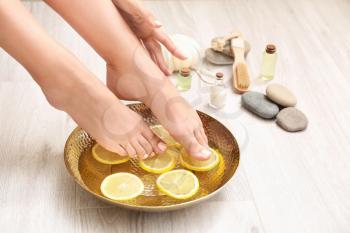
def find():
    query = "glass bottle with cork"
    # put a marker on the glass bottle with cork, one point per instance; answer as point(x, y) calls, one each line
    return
point(269, 62)
point(218, 92)
point(184, 79)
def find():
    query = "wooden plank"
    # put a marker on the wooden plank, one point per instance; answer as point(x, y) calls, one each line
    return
point(36, 192)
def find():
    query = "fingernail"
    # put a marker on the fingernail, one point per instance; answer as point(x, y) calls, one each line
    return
point(157, 23)
point(162, 146)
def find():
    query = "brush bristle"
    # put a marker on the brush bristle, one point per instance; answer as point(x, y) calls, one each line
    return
point(243, 81)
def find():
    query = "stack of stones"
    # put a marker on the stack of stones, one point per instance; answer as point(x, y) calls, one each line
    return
point(279, 102)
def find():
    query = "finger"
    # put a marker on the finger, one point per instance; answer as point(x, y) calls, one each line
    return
point(160, 59)
point(157, 24)
point(157, 56)
point(168, 43)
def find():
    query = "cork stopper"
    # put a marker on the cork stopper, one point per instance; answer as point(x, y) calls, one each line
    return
point(219, 76)
point(271, 49)
point(185, 72)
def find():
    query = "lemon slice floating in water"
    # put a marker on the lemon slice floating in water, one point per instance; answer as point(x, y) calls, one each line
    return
point(160, 163)
point(122, 186)
point(163, 134)
point(107, 157)
point(196, 165)
point(179, 184)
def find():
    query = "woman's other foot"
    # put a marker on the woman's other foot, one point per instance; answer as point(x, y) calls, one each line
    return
point(140, 79)
point(94, 108)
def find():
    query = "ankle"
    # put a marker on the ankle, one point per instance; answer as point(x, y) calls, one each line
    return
point(59, 87)
point(66, 84)
point(162, 94)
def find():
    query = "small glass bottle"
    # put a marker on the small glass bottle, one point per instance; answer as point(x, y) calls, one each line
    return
point(269, 62)
point(218, 92)
point(184, 79)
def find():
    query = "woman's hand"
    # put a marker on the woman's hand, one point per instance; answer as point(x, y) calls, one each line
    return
point(147, 29)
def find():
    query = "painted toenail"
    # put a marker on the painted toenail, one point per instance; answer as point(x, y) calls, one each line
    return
point(205, 153)
point(162, 146)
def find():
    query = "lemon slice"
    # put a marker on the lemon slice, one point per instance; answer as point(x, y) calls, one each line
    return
point(196, 165)
point(122, 186)
point(179, 184)
point(107, 157)
point(160, 163)
point(163, 134)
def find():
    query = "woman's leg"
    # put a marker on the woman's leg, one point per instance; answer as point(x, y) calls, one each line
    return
point(131, 74)
point(70, 87)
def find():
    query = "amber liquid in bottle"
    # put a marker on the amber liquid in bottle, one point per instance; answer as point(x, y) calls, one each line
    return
point(269, 63)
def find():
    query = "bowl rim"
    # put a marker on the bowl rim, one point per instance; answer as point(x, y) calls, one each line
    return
point(152, 208)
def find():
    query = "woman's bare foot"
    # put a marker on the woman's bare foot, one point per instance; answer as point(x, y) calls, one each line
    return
point(104, 117)
point(68, 85)
point(140, 79)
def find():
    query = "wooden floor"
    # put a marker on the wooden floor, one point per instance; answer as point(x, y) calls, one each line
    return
point(286, 183)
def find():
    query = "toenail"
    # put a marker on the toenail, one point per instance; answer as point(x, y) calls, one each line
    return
point(162, 146)
point(152, 154)
point(205, 153)
point(145, 156)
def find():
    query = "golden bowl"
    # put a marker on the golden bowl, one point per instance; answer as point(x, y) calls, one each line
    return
point(89, 173)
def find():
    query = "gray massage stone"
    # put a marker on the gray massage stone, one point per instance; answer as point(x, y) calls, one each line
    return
point(259, 104)
point(218, 58)
point(292, 120)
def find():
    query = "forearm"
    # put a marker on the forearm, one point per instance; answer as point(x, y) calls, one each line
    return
point(101, 25)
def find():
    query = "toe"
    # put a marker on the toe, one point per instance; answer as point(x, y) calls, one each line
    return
point(194, 147)
point(204, 136)
point(145, 144)
point(200, 137)
point(130, 150)
point(140, 151)
point(157, 144)
point(113, 147)
point(120, 150)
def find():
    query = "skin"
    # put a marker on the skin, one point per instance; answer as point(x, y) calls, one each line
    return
point(70, 87)
point(148, 30)
point(131, 74)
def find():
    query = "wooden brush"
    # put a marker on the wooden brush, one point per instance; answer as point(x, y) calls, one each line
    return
point(241, 81)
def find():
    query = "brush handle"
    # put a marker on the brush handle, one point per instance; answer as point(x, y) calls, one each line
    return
point(238, 50)
point(237, 46)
